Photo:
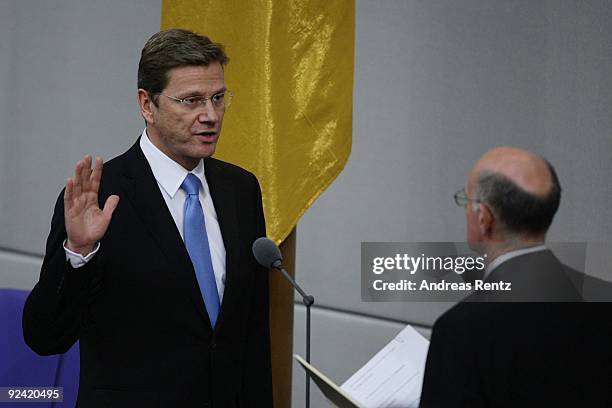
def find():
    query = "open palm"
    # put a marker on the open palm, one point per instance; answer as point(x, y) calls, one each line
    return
point(86, 223)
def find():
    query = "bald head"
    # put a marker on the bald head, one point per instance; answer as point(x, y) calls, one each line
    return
point(520, 187)
point(528, 171)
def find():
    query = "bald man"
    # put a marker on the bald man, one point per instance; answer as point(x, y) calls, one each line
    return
point(511, 197)
point(507, 350)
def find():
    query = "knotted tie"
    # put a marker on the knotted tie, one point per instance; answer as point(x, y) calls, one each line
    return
point(196, 241)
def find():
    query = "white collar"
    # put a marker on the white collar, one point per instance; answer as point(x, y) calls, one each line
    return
point(512, 254)
point(168, 173)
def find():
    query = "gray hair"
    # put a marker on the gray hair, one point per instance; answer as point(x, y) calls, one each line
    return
point(519, 210)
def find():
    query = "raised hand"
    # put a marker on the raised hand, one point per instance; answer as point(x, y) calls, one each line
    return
point(86, 223)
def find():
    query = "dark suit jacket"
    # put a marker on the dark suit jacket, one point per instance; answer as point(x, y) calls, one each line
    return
point(519, 354)
point(145, 337)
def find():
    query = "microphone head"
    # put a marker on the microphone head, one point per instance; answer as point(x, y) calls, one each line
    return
point(267, 253)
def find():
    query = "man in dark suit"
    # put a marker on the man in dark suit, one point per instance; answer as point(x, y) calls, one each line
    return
point(160, 286)
point(502, 349)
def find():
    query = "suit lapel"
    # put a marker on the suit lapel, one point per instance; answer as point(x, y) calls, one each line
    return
point(224, 199)
point(143, 192)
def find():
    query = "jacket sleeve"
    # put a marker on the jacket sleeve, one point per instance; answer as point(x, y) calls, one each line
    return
point(451, 379)
point(56, 308)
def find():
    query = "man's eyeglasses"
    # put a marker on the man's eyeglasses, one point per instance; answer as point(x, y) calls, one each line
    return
point(461, 198)
point(221, 100)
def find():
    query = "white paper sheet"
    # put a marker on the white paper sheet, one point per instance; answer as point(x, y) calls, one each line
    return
point(394, 376)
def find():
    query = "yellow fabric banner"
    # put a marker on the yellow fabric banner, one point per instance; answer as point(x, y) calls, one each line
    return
point(291, 71)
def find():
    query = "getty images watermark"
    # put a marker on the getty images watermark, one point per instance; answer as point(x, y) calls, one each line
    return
point(451, 271)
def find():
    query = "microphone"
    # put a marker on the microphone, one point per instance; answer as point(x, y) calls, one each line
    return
point(269, 256)
point(267, 253)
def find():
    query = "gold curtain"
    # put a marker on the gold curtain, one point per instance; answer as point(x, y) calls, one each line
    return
point(291, 70)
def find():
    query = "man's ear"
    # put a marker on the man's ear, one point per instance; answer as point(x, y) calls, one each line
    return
point(146, 105)
point(485, 220)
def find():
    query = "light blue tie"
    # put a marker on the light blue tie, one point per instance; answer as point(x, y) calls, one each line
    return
point(196, 241)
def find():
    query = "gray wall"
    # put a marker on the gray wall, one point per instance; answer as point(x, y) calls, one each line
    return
point(436, 84)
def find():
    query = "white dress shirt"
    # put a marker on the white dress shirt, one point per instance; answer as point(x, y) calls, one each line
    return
point(169, 176)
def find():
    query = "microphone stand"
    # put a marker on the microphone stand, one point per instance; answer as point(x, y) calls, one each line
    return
point(308, 300)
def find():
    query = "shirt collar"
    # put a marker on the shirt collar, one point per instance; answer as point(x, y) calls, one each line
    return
point(168, 173)
point(512, 254)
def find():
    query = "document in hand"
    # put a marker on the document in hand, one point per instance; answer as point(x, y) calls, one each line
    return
point(332, 392)
point(391, 379)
